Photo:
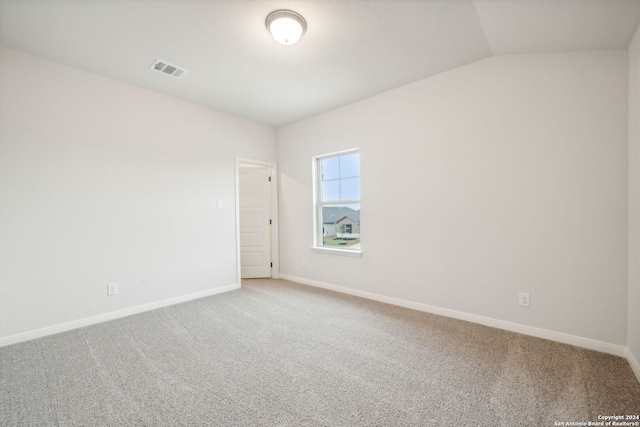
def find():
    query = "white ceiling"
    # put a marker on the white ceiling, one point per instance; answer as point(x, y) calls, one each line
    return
point(352, 49)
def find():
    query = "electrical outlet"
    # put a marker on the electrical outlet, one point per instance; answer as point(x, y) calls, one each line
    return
point(524, 299)
point(112, 289)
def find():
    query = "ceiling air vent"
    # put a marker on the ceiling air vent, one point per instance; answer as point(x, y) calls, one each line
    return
point(168, 69)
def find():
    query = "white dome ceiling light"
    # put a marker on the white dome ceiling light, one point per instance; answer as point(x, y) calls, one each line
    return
point(286, 26)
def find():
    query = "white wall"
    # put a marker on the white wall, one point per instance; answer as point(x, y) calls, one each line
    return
point(633, 332)
point(104, 182)
point(506, 175)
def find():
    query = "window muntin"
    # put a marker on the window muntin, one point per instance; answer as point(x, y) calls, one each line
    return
point(337, 199)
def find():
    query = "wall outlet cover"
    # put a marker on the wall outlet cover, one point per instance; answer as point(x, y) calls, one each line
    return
point(112, 289)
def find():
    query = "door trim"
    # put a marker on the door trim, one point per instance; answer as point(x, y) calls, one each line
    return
point(275, 270)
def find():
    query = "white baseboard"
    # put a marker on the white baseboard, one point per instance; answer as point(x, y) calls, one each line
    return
point(75, 324)
point(635, 365)
point(617, 350)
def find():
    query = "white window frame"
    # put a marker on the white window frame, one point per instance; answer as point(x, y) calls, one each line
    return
point(318, 204)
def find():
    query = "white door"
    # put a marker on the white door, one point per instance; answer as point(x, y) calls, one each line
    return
point(255, 218)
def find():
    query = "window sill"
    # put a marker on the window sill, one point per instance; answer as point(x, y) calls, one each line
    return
point(341, 252)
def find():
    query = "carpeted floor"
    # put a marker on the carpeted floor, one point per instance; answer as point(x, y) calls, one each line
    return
point(275, 353)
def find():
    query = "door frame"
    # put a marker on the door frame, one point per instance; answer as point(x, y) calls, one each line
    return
point(273, 202)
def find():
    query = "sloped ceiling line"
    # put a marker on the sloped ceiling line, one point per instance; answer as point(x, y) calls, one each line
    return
point(353, 49)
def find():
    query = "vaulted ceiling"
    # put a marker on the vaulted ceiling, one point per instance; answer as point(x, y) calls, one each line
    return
point(352, 49)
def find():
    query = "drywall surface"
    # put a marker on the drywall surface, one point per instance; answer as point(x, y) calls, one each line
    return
point(102, 182)
point(633, 333)
point(504, 176)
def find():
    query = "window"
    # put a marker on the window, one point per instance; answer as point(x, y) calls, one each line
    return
point(337, 202)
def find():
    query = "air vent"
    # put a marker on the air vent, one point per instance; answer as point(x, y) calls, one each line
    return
point(168, 69)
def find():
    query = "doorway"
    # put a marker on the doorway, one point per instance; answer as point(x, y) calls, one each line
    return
point(256, 197)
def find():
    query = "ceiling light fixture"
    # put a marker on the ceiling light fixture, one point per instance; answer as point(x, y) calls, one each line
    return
point(286, 26)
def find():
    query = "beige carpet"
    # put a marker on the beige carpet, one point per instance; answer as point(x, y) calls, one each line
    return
point(275, 353)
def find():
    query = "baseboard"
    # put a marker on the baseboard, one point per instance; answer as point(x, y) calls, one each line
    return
point(588, 343)
point(634, 363)
point(63, 327)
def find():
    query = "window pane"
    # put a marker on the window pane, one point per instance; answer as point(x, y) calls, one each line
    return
point(330, 168)
point(341, 226)
point(349, 166)
point(330, 190)
point(350, 189)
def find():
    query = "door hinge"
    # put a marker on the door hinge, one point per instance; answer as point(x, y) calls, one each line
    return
point(269, 222)
point(271, 265)
point(269, 179)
